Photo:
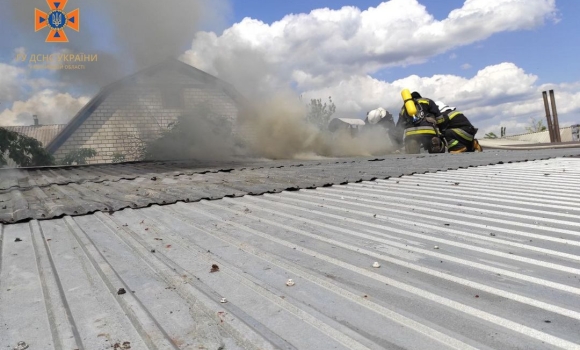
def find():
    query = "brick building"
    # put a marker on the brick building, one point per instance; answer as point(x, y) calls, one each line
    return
point(137, 108)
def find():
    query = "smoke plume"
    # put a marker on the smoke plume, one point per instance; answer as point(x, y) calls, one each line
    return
point(130, 35)
point(276, 128)
point(127, 35)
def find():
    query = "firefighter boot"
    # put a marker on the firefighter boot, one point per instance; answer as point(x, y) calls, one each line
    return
point(460, 150)
point(436, 146)
point(477, 146)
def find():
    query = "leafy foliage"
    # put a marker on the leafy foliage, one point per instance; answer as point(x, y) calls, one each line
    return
point(23, 150)
point(536, 126)
point(79, 156)
point(118, 158)
point(319, 114)
point(490, 135)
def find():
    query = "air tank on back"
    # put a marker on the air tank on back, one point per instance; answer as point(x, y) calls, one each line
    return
point(409, 103)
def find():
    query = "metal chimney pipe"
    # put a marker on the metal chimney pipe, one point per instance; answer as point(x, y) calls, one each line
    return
point(555, 114)
point(549, 117)
point(35, 117)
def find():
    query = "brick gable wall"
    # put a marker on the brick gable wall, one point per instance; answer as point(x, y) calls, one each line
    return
point(140, 111)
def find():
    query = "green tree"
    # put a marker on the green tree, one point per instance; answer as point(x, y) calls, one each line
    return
point(79, 156)
point(118, 158)
point(490, 135)
point(536, 126)
point(319, 113)
point(23, 150)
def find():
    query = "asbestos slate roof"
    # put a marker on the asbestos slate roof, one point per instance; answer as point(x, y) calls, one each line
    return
point(478, 258)
point(43, 133)
point(45, 193)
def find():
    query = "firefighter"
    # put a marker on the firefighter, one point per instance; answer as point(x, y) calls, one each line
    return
point(380, 117)
point(420, 129)
point(457, 130)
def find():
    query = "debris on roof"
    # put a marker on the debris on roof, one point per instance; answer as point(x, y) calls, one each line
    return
point(296, 268)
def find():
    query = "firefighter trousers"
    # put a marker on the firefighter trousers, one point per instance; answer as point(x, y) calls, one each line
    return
point(460, 139)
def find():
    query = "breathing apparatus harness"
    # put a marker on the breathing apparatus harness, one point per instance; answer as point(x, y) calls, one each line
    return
point(420, 116)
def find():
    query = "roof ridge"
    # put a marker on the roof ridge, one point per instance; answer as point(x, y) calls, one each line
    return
point(104, 92)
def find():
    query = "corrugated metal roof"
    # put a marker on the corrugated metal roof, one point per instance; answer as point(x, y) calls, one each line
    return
point(479, 258)
point(52, 192)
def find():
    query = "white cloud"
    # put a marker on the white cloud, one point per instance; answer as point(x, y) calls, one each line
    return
point(335, 52)
point(25, 91)
point(502, 94)
point(465, 66)
point(19, 54)
point(10, 77)
point(51, 107)
point(324, 46)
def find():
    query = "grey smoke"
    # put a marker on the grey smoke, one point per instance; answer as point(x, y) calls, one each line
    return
point(128, 35)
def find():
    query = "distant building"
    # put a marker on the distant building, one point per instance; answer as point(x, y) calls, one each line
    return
point(43, 133)
point(542, 136)
point(567, 134)
point(575, 133)
point(139, 107)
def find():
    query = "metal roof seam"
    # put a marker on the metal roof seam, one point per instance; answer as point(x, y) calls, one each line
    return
point(254, 284)
point(400, 194)
point(306, 274)
point(481, 194)
point(380, 218)
point(530, 332)
point(372, 265)
point(469, 199)
point(144, 323)
point(191, 291)
point(60, 318)
point(486, 227)
point(554, 285)
point(422, 204)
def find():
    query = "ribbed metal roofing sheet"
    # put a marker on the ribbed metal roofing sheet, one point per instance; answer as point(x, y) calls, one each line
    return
point(47, 193)
point(479, 258)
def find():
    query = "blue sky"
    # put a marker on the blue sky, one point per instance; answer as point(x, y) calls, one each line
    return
point(495, 72)
point(552, 51)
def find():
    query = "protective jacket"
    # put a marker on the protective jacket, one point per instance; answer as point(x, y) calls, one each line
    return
point(424, 123)
point(458, 131)
point(453, 119)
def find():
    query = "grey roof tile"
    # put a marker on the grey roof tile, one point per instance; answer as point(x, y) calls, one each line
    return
point(44, 193)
